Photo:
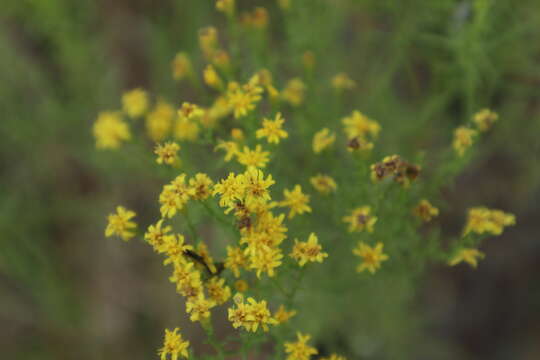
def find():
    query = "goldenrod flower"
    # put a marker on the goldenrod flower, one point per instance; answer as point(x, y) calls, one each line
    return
point(361, 219)
point(359, 144)
point(217, 290)
point(311, 250)
point(482, 220)
point(250, 315)
point(359, 125)
point(468, 255)
point(120, 224)
point(167, 153)
point(243, 99)
point(232, 188)
point(266, 260)
point(484, 119)
point(294, 92)
point(323, 184)
point(175, 247)
point(190, 111)
point(173, 346)
point(110, 130)
point(211, 78)
point(323, 139)
point(208, 41)
point(235, 260)
point(181, 66)
point(187, 279)
point(342, 81)
point(463, 139)
point(393, 166)
point(296, 200)
point(222, 60)
point(282, 315)
point(201, 185)
point(257, 19)
point(225, 6)
point(186, 129)
point(155, 236)
point(256, 158)
point(272, 130)
point(135, 102)
point(230, 147)
point(174, 196)
point(256, 186)
point(159, 121)
point(300, 350)
point(425, 211)
point(199, 307)
point(371, 256)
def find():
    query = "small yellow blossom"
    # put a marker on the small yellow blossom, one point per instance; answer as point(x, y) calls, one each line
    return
point(243, 99)
point(251, 315)
point(186, 129)
point(342, 81)
point(282, 315)
point(159, 121)
point(256, 158)
point(208, 41)
point(230, 147)
point(225, 6)
point(235, 260)
point(175, 248)
point(272, 130)
point(425, 211)
point(304, 251)
point(211, 78)
point(190, 111)
point(296, 200)
point(232, 188)
point(361, 219)
point(482, 220)
point(135, 103)
point(217, 290)
point(294, 92)
point(120, 224)
point(359, 144)
point(222, 60)
point(463, 139)
point(394, 166)
point(468, 255)
point(323, 184)
point(300, 350)
point(258, 18)
point(199, 307)
point(181, 66)
point(110, 130)
point(237, 134)
point(201, 185)
point(155, 236)
point(484, 119)
point(323, 139)
point(359, 125)
point(174, 196)
point(173, 346)
point(167, 153)
point(266, 260)
point(371, 256)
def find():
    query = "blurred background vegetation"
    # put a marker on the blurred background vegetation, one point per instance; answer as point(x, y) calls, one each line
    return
point(422, 68)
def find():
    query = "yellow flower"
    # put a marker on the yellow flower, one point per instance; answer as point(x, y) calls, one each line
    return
point(322, 139)
point(190, 111)
point(120, 224)
point(257, 19)
point(266, 259)
point(159, 121)
point(235, 260)
point(186, 129)
point(323, 184)
point(199, 307)
point(272, 130)
point(211, 78)
point(463, 139)
point(225, 6)
point(425, 211)
point(359, 144)
point(187, 279)
point(393, 166)
point(359, 125)
point(135, 103)
point(181, 66)
point(250, 315)
point(282, 315)
point(300, 350)
point(241, 285)
point(304, 251)
point(256, 158)
point(484, 119)
point(294, 92)
point(361, 219)
point(237, 134)
point(208, 41)
point(155, 236)
point(110, 130)
point(296, 201)
point(468, 255)
point(342, 81)
point(232, 188)
point(201, 185)
point(167, 153)
point(230, 147)
point(256, 187)
point(371, 256)
point(222, 60)
point(175, 247)
point(243, 99)
point(173, 346)
point(174, 196)
point(217, 290)
point(482, 220)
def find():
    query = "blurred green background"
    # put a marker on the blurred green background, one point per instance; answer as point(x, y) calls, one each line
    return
point(422, 68)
